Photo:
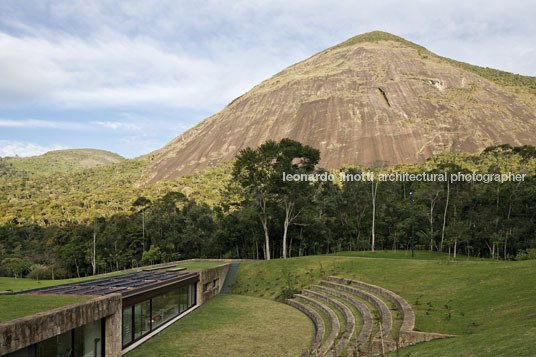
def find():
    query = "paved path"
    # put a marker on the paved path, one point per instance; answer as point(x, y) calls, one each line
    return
point(230, 278)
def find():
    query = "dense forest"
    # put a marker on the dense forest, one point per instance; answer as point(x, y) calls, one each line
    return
point(104, 219)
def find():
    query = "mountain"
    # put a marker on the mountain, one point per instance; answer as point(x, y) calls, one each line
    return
point(56, 161)
point(375, 99)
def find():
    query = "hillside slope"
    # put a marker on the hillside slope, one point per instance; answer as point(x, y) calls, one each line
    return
point(375, 99)
point(56, 161)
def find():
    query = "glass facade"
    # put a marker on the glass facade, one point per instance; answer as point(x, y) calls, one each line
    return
point(84, 341)
point(141, 318)
point(127, 325)
point(88, 340)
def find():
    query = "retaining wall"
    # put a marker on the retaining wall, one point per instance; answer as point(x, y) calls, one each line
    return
point(210, 282)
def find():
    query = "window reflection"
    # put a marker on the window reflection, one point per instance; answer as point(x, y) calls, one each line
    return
point(142, 318)
point(147, 316)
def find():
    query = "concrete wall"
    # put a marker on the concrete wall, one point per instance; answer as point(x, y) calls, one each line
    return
point(210, 282)
point(26, 331)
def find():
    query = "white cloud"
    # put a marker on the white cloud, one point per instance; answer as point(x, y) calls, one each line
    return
point(71, 72)
point(23, 149)
point(42, 124)
point(117, 125)
point(185, 55)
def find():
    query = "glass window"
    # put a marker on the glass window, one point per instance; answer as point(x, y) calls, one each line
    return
point(88, 340)
point(87, 343)
point(142, 318)
point(127, 325)
point(165, 307)
point(60, 346)
point(183, 298)
point(25, 352)
point(191, 294)
point(158, 311)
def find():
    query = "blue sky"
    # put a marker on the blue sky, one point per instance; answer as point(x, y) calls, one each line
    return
point(128, 76)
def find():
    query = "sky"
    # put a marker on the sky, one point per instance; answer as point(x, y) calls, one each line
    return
point(129, 76)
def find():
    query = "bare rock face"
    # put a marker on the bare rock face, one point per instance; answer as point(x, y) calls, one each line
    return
point(362, 102)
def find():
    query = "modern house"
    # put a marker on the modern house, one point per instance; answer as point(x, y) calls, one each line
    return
point(125, 310)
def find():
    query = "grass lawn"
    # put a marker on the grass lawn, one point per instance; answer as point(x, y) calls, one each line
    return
point(18, 284)
point(195, 266)
point(15, 306)
point(406, 254)
point(489, 304)
point(233, 325)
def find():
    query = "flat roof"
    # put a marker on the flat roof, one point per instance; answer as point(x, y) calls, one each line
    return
point(126, 284)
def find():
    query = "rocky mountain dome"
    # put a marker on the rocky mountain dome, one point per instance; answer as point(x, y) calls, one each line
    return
point(375, 99)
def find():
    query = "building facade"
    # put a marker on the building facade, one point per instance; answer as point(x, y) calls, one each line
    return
point(126, 310)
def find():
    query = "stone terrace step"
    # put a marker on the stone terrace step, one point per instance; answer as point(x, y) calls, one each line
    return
point(348, 315)
point(408, 316)
point(407, 336)
point(320, 327)
point(335, 324)
point(349, 290)
point(363, 309)
point(383, 309)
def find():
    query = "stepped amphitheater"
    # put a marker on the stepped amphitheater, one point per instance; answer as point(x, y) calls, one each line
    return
point(353, 318)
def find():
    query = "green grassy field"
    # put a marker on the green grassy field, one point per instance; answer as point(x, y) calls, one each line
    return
point(15, 306)
point(233, 325)
point(406, 254)
point(489, 304)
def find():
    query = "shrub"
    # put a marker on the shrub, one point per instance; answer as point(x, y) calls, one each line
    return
point(16, 267)
point(526, 254)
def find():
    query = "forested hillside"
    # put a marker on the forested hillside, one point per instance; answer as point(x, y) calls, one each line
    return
point(78, 197)
point(56, 161)
point(54, 222)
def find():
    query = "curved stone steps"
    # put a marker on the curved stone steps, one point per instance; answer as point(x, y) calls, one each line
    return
point(335, 288)
point(348, 315)
point(408, 316)
point(379, 304)
point(320, 327)
point(335, 324)
point(406, 336)
point(363, 309)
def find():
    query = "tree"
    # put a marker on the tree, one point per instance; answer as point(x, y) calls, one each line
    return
point(253, 170)
point(143, 203)
point(260, 172)
point(293, 158)
point(373, 195)
point(152, 256)
point(354, 200)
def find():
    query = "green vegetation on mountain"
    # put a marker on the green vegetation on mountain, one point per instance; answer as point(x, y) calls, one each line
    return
point(102, 191)
point(377, 36)
point(56, 162)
